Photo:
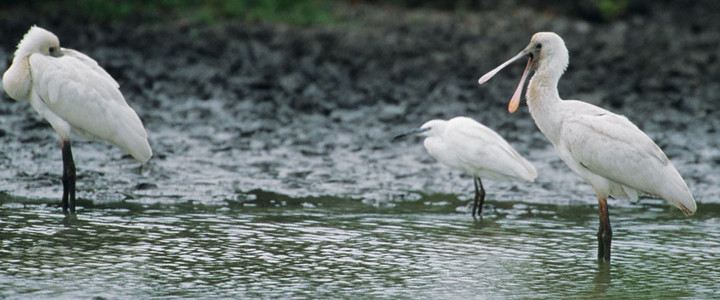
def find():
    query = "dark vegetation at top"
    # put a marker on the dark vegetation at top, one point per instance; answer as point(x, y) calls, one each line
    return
point(295, 12)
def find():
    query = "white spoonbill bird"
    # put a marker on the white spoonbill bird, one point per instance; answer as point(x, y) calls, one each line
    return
point(75, 95)
point(605, 149)
point(466, 145)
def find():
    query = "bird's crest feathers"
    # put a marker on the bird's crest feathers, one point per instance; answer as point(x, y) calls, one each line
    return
point(34, 40)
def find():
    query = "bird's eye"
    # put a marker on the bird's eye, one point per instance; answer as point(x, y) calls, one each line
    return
point(538, 46)
point(55, 51)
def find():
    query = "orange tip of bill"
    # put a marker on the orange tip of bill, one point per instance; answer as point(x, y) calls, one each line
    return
point(512, 107)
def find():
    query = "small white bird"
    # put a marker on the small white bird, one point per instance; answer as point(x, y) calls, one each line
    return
point(75, 95)
point(605, 149)
point(466, 145)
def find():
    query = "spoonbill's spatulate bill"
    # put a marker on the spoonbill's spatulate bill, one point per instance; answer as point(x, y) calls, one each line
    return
point(75, 95)
point(466, 145)
point(604, 149)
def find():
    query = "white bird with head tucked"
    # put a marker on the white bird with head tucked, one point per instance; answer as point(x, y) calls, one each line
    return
point(605, 149)
point(75, 95)
point(466, 145)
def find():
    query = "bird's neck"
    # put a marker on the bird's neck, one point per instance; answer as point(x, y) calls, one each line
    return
point(543, 102)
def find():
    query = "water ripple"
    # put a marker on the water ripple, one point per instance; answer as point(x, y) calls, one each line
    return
point(519, 250)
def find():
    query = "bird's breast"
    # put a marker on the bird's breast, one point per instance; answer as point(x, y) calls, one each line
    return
point(17, 80)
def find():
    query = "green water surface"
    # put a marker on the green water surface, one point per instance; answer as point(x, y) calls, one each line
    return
point(344, 248)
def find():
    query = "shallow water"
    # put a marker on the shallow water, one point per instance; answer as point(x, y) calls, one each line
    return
point(270, 247)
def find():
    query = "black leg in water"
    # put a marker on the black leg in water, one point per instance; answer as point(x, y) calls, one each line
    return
point(68, 178)
point(479, 197)
point(605, 232)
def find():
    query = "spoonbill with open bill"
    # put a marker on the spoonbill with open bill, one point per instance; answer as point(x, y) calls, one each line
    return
point(466, 145)
point(75, 95)
point(605, 149)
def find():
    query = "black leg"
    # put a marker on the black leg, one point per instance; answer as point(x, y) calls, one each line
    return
point(482, 196)
point(605, 232)
point(68, 178)
point(479, 197)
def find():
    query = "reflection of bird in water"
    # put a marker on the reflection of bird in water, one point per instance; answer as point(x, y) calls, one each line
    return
point(74, 95)
point(466, 145)
point(604, 149)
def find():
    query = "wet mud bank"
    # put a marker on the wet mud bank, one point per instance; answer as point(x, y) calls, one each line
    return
point(235, 108)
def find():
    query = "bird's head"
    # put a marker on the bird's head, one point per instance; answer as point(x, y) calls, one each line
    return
point(546, 46)
point(39, 40)
point(546, 52)
point(430, 128)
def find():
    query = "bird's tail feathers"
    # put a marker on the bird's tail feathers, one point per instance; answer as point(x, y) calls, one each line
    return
point(683, 200)
point(529, 173)
point(133, 138)
point(678, 193)
point(140, 150)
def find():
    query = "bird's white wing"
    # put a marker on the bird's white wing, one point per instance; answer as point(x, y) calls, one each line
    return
point(611, 146)
point(73, 89)
point(92, 64)
point(485, 153)
point(608, 144)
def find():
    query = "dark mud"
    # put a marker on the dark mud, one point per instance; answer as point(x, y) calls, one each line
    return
point(236, 108)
